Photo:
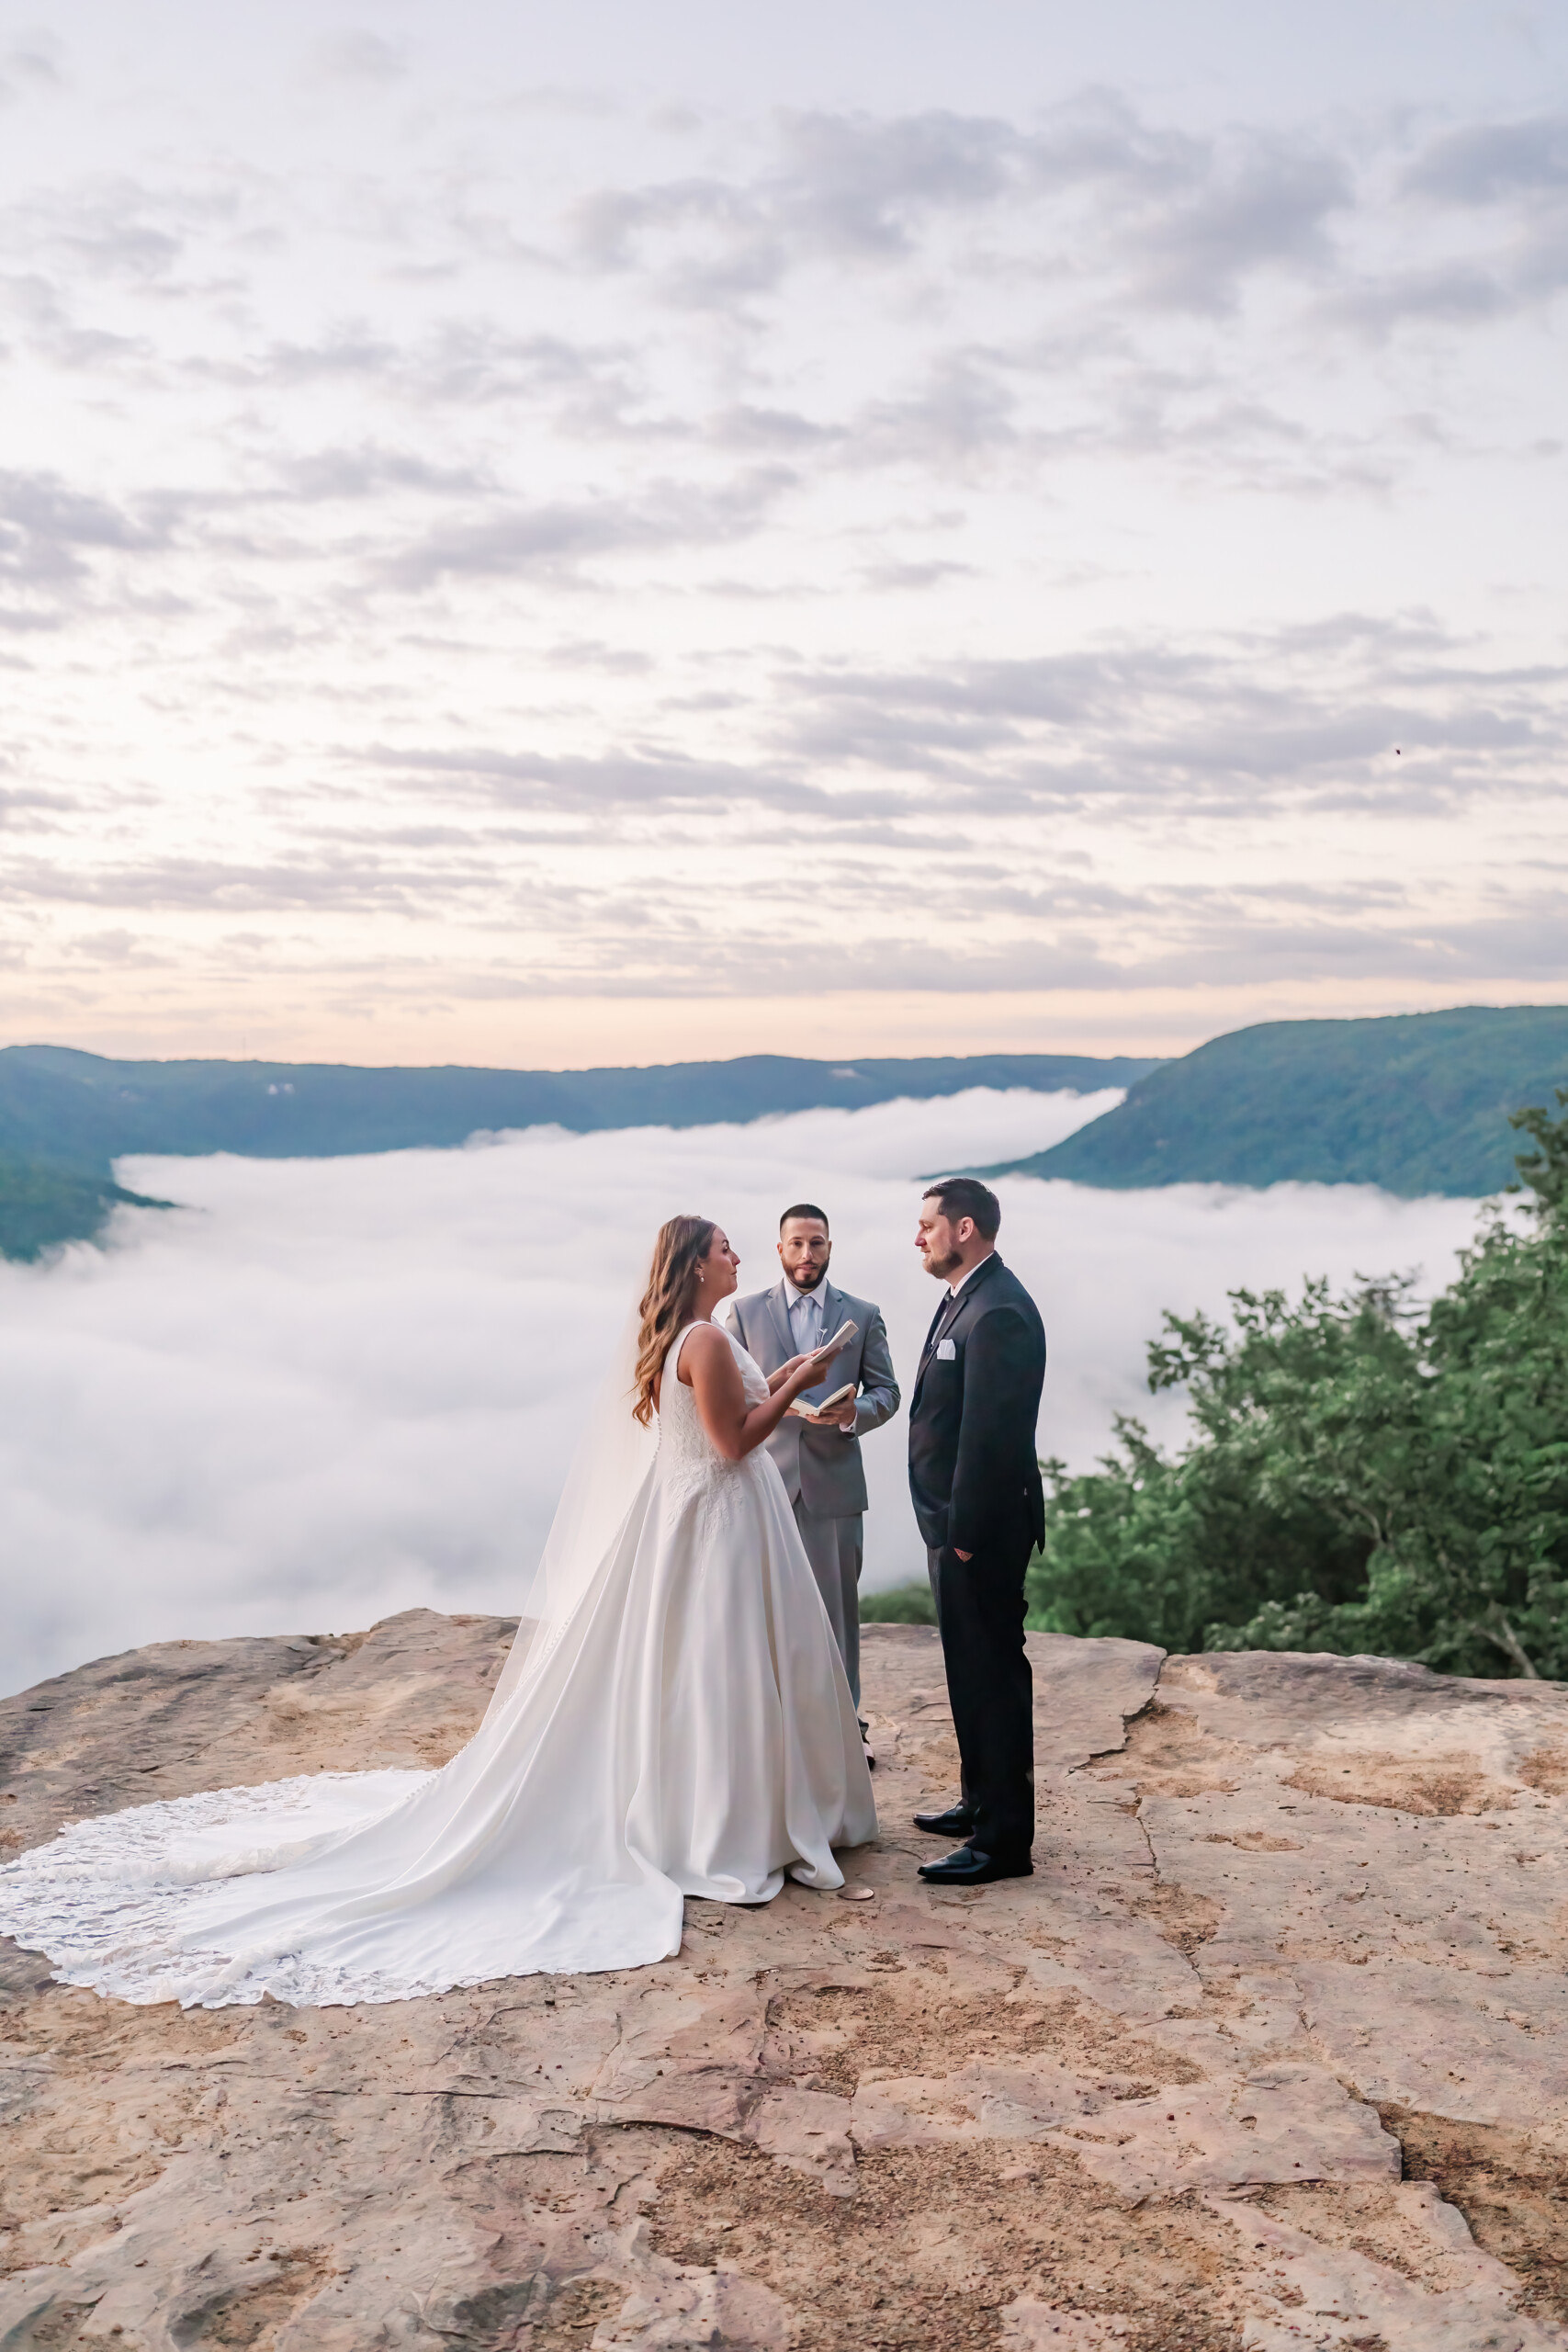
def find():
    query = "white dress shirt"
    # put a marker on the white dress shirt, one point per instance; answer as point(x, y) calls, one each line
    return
point(954, 1288)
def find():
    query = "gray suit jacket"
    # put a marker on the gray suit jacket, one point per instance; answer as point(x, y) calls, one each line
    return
point(822, 1466)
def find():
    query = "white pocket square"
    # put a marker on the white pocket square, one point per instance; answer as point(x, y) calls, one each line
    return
point(945, 1352)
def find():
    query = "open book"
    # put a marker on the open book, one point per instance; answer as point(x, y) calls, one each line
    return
point(814, 1412)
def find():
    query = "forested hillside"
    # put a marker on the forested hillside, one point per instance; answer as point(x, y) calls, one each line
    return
point(1417, 1104)
point(42, 1206)
point(66, 1116)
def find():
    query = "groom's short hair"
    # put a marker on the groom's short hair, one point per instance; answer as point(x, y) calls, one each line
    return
point(806, 1208)
point(959, 1196)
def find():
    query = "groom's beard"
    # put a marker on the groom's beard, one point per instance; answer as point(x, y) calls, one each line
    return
point(942, 1267)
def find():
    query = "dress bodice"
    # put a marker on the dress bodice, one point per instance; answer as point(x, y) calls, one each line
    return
point(687, 1455)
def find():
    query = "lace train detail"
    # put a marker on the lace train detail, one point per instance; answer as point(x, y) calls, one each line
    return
point(108, 1899)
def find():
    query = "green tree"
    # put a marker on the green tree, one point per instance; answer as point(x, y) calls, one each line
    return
point(1360, 1475)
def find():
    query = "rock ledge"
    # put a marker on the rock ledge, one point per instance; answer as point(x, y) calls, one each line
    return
point(1272, 2051)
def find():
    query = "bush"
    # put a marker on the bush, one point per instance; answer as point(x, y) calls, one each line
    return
point(905, 1604)
point(1361, 1476)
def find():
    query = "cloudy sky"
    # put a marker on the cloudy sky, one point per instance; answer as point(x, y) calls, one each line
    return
point(326, 1390)
point(624, 532)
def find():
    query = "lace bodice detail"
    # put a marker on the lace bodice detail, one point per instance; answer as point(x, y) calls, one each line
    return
point(688, 1459)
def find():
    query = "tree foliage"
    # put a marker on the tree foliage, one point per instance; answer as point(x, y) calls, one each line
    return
point(1362, 1474)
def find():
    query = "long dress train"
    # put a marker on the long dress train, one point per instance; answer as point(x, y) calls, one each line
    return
point(680, 1726)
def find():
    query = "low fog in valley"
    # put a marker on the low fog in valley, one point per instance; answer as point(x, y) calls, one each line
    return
point(330, 1389)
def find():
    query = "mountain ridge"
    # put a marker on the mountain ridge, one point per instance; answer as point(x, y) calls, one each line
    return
point(1415, 1102)
point(66, 1116)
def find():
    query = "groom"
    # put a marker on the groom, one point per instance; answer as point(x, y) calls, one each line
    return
point(975, 1480)
point(820, 1461)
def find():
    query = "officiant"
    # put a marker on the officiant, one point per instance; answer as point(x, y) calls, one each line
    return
point(820, 1461)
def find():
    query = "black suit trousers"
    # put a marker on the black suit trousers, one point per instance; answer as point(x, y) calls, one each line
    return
point(979, 1614)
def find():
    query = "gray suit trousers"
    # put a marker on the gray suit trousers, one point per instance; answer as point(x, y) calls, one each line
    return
point(835, 1548)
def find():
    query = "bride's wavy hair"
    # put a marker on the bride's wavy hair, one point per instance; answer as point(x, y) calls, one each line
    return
point(682, 1243)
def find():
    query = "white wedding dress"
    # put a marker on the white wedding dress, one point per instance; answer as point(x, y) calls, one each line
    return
point(673, 1720)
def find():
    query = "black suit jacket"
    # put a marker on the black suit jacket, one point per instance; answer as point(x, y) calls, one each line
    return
point(973, 1465)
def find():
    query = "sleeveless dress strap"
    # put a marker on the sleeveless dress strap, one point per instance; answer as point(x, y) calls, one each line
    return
point(672, 1354)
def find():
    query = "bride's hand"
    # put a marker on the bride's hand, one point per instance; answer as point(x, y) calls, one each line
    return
point(709, 1367)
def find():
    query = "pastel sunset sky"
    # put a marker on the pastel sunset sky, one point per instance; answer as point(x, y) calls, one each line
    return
point(546, 536)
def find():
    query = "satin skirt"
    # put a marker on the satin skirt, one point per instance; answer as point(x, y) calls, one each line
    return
point(690, 1732)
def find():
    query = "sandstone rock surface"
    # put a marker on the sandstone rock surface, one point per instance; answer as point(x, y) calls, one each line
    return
point(1271, 2052)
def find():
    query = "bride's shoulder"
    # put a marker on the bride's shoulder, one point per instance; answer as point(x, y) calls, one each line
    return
point(707, 1335)
point(698, 1343)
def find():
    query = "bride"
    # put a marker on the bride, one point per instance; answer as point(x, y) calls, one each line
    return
point(673, 1720)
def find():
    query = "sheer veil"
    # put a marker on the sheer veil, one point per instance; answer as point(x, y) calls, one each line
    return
point(610, 1467)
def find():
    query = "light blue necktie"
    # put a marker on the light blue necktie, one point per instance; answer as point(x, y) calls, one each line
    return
point(805, 1329)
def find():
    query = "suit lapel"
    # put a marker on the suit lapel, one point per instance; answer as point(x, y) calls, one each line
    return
point(947, 1314)
point(778, 1308)
point(931, 1337)
point(929, 1343)
point(832, 1316)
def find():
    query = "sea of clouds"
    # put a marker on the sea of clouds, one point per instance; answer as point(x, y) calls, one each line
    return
point(326, 1390)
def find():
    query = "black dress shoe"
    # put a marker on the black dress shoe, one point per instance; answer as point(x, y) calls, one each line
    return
point(954, 1823)
point(970, 1866)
